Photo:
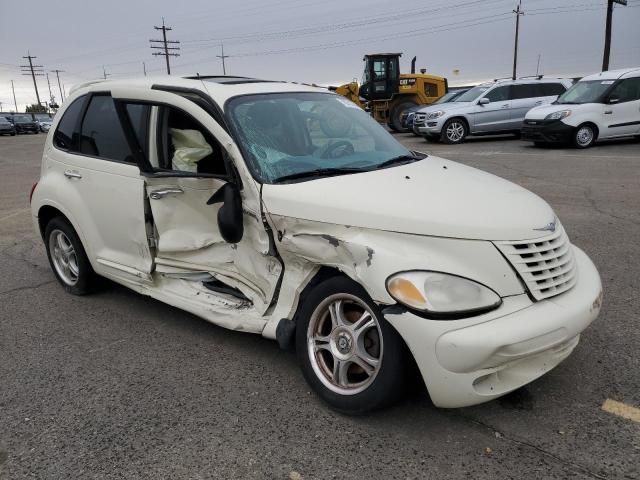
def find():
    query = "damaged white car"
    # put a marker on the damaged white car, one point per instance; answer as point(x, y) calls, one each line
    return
point(285, 210)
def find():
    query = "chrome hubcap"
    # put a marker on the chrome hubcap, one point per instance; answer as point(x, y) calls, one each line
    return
point(64, 257)
point(584, 136)
point(455, 131)
point(344, 344)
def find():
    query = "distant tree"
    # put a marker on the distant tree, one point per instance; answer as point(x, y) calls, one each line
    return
point(35, 108)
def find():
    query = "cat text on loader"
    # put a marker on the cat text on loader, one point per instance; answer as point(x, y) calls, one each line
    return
point(388, 93)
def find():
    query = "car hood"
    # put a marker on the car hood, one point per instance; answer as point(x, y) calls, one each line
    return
point(446, 107)
point(539, 113)
point(435, 197)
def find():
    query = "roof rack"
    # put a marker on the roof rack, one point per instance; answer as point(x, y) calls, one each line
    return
point(537, 77)
point(502, 79)
point(226, 79)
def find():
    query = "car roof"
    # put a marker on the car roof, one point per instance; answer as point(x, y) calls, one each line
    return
point(219, 88)
point(613, 74)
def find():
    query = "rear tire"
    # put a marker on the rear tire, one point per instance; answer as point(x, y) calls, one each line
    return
point(67, 257)
point(584, 136)
point(349, 354)
point(454, 131)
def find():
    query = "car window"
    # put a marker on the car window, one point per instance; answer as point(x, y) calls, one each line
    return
point(184, 145)
point(550, 89)
point(102, 134)
point(498, 94)
point(139, 117)
point(524, 90)
point(627, 90)
point(63, 136)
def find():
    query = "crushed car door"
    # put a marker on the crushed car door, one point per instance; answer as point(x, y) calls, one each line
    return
point(190, 158)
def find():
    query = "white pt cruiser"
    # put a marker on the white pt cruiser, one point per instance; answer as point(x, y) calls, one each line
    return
point(284, 210)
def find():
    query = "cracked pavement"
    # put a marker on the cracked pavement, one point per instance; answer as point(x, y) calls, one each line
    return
point(117, 385)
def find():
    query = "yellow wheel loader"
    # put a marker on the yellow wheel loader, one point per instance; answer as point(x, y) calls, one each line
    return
point(387, 93)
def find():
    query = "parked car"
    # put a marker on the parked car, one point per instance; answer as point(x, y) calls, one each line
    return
point(408, 115)
point(491, 108)
point(601, 106)
point(44, 121)
point(284, 210)
point(418, 119)
point(24, 123)
point(6, 127)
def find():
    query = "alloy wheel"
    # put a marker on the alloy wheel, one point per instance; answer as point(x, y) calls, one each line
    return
point(64, 257)
point(344, 344)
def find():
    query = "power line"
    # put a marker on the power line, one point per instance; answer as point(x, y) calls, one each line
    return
point(34, 71)
point(165, 45)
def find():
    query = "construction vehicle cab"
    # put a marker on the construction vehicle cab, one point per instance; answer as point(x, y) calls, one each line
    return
point(381, 78)
point(387, 93)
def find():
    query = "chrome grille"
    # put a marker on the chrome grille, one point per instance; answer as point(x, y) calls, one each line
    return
point(546, 264)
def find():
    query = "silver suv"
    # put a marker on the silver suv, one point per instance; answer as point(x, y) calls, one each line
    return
point(495, 107)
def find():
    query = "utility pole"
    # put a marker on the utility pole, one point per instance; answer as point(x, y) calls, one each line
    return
point(222, 57)
point(164, 45)
point(518, 11)
point(104, 73)
point(50, 94)
point(607, 32)
point(0, 106)
point(14, 96)
point(58, 72)
point(538, 66)
point(144, 69)
point(34, 71)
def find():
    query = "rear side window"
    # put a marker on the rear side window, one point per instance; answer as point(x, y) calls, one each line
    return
point(551, 89)
point(525, 90)
point(63, 137)
point(102, 134)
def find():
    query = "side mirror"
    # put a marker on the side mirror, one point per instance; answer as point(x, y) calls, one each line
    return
point(484, 101)
point(230, 221)
point(613, 100)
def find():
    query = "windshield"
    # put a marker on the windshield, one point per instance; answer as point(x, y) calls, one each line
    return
point(4, 120)
point(585, 92)
point(472, 94)
point(291, 134)
point(43, 118)
point(22, 118)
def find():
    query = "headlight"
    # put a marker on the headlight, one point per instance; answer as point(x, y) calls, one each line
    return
point(441, 293)
point(560, 114)
point(437, 114)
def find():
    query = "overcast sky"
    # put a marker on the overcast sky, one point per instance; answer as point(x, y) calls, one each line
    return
point(310, 41)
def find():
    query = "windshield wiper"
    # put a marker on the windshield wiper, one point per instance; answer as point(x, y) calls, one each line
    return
point(321, 172)
point(399, 160)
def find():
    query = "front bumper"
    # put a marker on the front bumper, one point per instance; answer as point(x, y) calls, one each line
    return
point(554, 131)
point(431, 127)
point(470, 361)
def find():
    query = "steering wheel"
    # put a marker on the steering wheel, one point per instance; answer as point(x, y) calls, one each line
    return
point(337, 149)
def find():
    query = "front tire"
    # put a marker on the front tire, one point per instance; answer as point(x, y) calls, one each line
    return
point(584, 136)
point(349, 354)
point(67, 257)
point(395, 115)
point(454, 131)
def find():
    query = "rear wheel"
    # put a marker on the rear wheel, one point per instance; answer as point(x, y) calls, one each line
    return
point(349, 354)
point(584, 136)
point(67, 257)
point(395, 115)
point(454, 131)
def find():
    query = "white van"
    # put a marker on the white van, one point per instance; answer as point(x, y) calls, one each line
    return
point(601, 106)
point(287, 211)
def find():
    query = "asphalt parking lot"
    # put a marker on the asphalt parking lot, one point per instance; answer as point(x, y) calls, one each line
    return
point(117, 385)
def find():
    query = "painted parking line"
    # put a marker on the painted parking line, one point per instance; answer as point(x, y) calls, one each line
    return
point(14, 214)
point(621, 410)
